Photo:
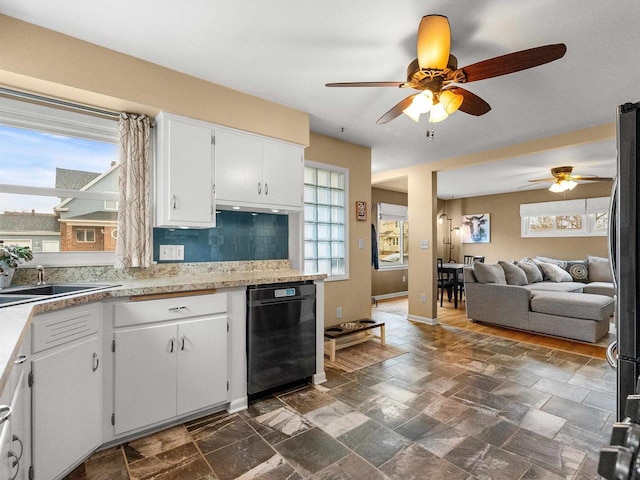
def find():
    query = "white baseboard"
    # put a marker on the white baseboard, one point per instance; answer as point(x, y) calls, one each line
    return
point(391, 295)
point(319, 378)
point(425, 320)
point(238, 405)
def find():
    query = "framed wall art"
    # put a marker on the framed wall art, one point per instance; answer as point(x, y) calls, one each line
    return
point(476, 228)
point(361, 211)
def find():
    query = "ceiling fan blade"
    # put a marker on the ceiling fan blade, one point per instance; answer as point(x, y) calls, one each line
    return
point(396, 110)
point(590, 178)
point(538, 180)
point(365, 84)
point(434, 42)
point(514, 62)
point(472, 104)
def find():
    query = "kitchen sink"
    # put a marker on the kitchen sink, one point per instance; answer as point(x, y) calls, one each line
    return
point(13, 299)
point(32, 293)
point(54, 289)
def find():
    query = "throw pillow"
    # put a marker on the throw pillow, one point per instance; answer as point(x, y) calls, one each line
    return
point(578, 269)
point(513, 273)
point(555, 273)
point(599, 270)
point(489, 273)
point(531, 270)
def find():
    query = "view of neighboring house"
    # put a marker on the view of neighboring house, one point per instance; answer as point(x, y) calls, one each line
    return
point(39, 231)
point(76, 224)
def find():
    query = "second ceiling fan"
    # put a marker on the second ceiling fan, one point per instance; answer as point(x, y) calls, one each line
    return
point(435, 72)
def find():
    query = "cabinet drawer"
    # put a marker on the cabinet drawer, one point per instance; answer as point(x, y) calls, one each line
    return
point(150, 311)
point(53, 329)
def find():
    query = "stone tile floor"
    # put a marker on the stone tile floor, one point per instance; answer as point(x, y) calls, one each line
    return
point(457, 405)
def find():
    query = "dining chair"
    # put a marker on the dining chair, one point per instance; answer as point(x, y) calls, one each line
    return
point(445, 282)
point(468, 260)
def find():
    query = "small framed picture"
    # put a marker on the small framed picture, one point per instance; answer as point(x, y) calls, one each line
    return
point(361, 211)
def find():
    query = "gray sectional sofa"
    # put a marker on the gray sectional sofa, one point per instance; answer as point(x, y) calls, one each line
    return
point(573, 299)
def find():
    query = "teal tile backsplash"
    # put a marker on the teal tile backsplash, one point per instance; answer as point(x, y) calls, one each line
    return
point(238, 236)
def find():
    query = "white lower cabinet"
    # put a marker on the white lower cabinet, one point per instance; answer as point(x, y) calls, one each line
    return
point(170, 368)
point(66, 389)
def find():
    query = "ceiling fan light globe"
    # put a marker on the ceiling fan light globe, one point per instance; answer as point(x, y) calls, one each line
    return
point(423, 101)
point(450, 101)
point(412, 112)
point(571, 184)
point(438, 113)
point(434, 42)
point(556, 188)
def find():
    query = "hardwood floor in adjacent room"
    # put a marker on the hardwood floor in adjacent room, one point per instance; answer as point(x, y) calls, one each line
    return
point(456, 317)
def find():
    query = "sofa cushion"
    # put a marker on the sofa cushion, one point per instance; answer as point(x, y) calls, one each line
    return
point(578, 269)
point(489, 273)
point(599, 270)
point(586, 306)
point(554, 272)
point(530, 269)
point(600, 288)
point(513, 273)
point(548, 286)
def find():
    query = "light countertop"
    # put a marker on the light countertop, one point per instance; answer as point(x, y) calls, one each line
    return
point(15, 320)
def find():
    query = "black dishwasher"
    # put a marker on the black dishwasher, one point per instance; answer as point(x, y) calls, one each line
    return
point(281, 334)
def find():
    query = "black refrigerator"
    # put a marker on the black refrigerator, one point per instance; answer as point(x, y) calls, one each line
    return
point(624, 234)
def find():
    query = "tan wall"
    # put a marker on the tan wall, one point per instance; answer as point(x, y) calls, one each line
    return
point(389, 282)
point(506, 241)
point(353, 295)
point(46, 62)
point(385, 282)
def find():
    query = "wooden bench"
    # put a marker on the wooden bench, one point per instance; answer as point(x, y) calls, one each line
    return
point(364, 325)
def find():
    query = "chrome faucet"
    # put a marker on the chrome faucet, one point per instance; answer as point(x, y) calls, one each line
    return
point(40, 269)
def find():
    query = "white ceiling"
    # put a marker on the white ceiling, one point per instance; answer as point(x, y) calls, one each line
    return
point(286, 50)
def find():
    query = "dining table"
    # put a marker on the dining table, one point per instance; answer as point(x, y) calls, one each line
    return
point(456, 269)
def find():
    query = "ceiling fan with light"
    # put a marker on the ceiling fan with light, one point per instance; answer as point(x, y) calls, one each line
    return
point(564, 180)
point(435, 71)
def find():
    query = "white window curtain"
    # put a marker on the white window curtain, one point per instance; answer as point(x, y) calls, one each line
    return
point(390, 211)
point(598, 205)
point(580, 206)
point(133, 245)
point(562, 207)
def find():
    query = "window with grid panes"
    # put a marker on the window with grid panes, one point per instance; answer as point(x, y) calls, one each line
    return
point(325, 220)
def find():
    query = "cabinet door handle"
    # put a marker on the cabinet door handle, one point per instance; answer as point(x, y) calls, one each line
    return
point(20, 359)
point(171, 343)
point(259, 188)
point(96, 361)
point(182, 342)
point(5, 413)
point(16, 438)
point(15, 463)
point(175, 201)
point(266, 188)
point(177, 309)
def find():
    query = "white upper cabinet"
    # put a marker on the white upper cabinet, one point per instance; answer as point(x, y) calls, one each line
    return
point(252, 171)
point(238, 172)
point(241, 169)
point(282, 171)
point(184, 173)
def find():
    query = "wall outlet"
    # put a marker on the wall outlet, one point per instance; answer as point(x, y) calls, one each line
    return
point(423, 297)
point(171, 252)
point(404, 278)
point(339, 312)
point(424, 244)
